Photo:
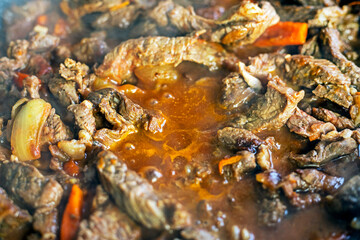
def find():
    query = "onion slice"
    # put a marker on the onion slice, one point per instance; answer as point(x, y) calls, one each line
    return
point(27, 128)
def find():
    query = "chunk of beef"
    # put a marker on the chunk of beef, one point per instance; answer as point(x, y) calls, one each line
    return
point(311, 48)
point(19, 50)
point(324, 152)
point(311, 182)
point(32, 86)
point(242, 24)
point(346, 202)
point(19, 20)
point(120, 63)
point(90, 50)
point(13, 220)
point(40, 67)
point(340, 122)
point(235, 92)
point(107, 222)
point(315, 16)
point(339, 94)
point(307, 126)
point(7, 74)
point(26, 185)
point(84, 117)
point(331, 45)
point(272, 110)
point(46, 223)
point(64, 91)
point(264, 64)
point(306, 71)
point(121, 18)
point(110, 137)
point(41, 42)
point(137, 197)
point(54, 130)
point(244, 162)
point(239, 139)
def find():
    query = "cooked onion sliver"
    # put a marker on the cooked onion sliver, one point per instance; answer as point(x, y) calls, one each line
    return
point(27, 128)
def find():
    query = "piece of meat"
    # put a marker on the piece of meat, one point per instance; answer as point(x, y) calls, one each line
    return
point(19, 20)
point(272, 110)
point(108, 138)
point(340, 122)
point(32, 85)
point(121, 18)
point(316, 2)
point(137, 197)
point(107, 221)
point(324, 152)
point(120, 63)
point(311, 48)
point(26, 185)
point(90, 50)
point(331, 45)
point(264, 64)
point(245, 163)
point(54, 130)
point(41, 42)
point(14, 221)
point(272, 211)
point(339, 94)
point(84, 117)
point(235, 92)
point(242, 24)
point(19, 50)
point(307, 126)
point(306, 71)
point(40, 67)
point(312, 183)
point(46, 223)
point(238, 139)
point(315, 16)
point(346, 202)
point(195, 233)
point(8, 69)
point(64, 91)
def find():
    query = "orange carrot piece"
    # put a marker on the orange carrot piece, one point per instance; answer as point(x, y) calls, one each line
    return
point(42, 20)
point(19, 79)
point(283, 34)
point(228, 161)
point(121, 5)
point(72, 214)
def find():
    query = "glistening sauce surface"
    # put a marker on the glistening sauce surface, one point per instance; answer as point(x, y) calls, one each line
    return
point(189, 138)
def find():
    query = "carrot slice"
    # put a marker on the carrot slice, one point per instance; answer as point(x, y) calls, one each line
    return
point(228, 161)
point(42, 20)
point(72, 214)
point(283, 34)
point(19, 79)
point(121, 5)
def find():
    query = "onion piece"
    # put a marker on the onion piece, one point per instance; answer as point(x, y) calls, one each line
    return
point(27, 128)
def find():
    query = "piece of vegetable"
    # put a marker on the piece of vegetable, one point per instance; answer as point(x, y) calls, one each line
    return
point(74, 149)
point(42, 20)
point(283, 34)
point(228, 161)
point(27, 128)
point(72, 214)
point(19, 79)
point(119, 6)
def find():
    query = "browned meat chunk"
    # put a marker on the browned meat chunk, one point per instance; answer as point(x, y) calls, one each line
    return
point(325, 151)
point(340, 122)
point(40, 41)
point(32, 86)
point(90, 51)
point(137, 197)
point(311, 182)
point(84, 117)
point(194, 233)
point(242, 24)
point(107, 222)
point(239, 139)
point(273, 109)
point(27, 185)
point(46, 223)
point(245, 163)
point(307, 126)
point(338, 94)
point(331, 45)
point(235, 92)
point(306, 71)
point(64, 91)
point(346, 202)
point(54, 130)
point(13, 220)
point(120, 63)
point(18, 50)
point(19, 20)
point(121, 18)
